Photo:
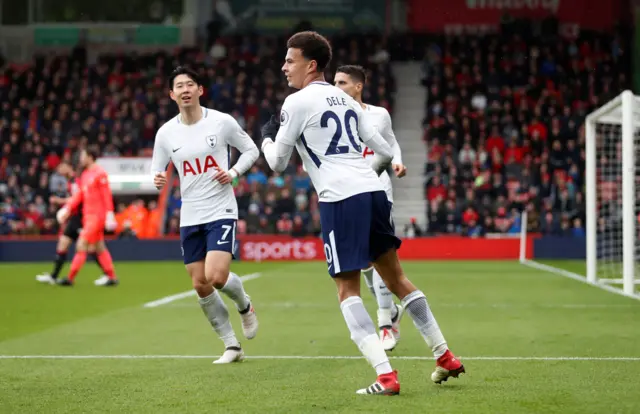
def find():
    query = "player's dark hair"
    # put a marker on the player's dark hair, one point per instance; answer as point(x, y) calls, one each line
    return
point(356, 72)
point(313, 46)
point(183, 70)
point(93, 152)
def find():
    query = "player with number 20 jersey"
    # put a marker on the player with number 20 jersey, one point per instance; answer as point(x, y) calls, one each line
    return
point(327, 127)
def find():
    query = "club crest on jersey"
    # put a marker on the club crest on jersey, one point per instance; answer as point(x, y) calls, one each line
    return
point(284, 117)
point(212, 140)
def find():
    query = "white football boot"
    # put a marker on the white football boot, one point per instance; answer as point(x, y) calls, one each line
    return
point(46, 278)
point(231, 354)
point(105, 281)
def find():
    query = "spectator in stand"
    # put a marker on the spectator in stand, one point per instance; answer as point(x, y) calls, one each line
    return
point(504, 127)
point(412, 230)
point(137, 215)
point(59, 104)
point(152, 229)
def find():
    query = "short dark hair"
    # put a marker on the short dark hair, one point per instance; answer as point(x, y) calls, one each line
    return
point(356, 72)
point(93, 152)
point(313, 46)
point(184, 70)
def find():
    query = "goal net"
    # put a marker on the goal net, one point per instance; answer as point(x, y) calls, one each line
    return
point(612, 187)
point(612, 184)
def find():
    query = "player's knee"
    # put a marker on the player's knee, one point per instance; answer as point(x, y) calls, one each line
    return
point(218, 278)
point(98, 247)
point(203, 290)
point(62, 246)
point(217, 268)
point(201, 286)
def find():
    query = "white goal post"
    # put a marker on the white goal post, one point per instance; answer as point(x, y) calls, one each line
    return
point(612, 184)
point(612, 230)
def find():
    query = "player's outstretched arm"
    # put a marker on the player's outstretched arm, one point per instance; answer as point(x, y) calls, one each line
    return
point(159, 161)
point(249, 152)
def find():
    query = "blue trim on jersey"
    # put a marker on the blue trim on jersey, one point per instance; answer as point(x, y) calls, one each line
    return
point(206, 112)
point(228, 157)
point(325, 83)
point(312, 155)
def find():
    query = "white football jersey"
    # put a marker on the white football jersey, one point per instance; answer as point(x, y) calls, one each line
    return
point(325, 125)
point(198, 151)
point(381, 120)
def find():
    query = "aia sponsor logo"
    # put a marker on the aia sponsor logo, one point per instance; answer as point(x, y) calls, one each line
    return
point(198, 166)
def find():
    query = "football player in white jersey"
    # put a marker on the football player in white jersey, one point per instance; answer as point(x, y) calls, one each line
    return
point(327, 126)
point(351, 79)
point(198, 142)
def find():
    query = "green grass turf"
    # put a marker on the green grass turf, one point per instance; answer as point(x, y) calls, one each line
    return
point(485, 309)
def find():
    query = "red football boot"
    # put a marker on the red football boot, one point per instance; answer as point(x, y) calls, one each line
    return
point(447, 366)
point(386, 384)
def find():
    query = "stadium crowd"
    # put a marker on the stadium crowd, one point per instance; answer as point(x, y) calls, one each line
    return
point(58, 104)
point(504, 129)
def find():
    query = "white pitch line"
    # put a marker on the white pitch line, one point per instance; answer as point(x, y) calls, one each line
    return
point(178, 296)
point(323, 357)
point(307, 305)
point(561, 272)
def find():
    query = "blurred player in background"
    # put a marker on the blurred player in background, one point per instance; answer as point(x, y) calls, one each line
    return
point(71, 230)
point(97, 216)
point(326, 126)
point(351, 79)
point(198, 143)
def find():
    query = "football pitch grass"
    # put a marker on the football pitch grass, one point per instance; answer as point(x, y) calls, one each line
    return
point(531, 342)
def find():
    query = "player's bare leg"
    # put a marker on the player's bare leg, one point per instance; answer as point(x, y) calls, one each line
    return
point(363, 333)
point(217, 272)
point(62, 248)
point(106, 263)
point(389, 313)
point(416, 306)
point(216, 313)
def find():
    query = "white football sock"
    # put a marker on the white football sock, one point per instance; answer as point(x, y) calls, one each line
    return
point(363, 333)
point(368, 279)
point(216, 312)
point(235, 291)
point(384, 297)
point(384, 318)
point(415, 304)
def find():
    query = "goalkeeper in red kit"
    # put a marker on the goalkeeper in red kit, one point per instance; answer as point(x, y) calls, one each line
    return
point(97, 216)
